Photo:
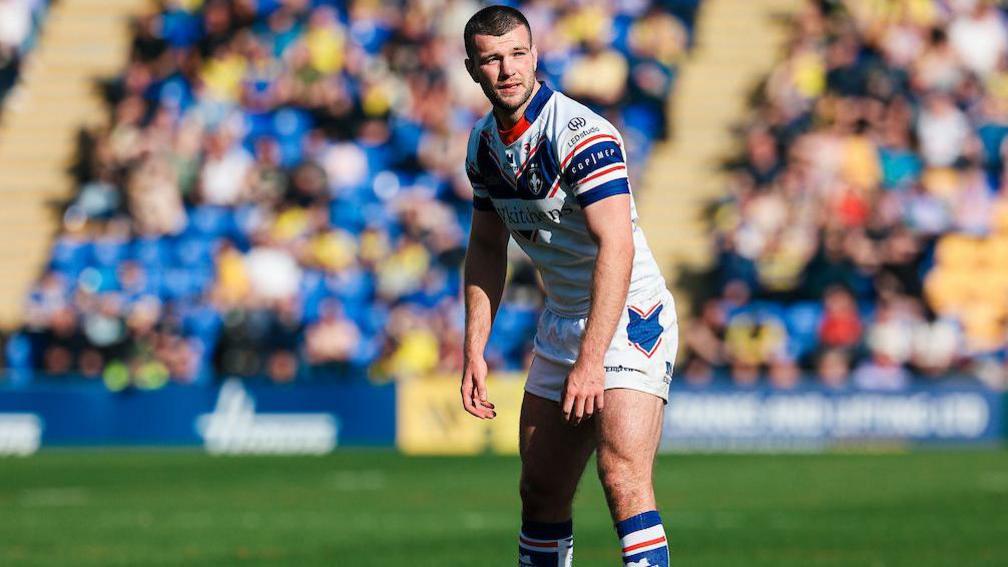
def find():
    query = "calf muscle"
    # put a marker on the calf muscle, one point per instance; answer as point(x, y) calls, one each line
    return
point(628, 433)
point(554, 456)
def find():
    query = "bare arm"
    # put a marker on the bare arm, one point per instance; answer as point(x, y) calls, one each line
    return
point(609, 224)
point(484, 273)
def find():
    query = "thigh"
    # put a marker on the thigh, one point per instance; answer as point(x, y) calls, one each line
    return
point(553, 455)
point(629, 430)
point(643, 350)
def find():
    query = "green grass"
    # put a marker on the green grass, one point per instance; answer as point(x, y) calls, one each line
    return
point(379, 508)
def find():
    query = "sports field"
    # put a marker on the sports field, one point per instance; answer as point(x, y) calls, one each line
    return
point(379, 508)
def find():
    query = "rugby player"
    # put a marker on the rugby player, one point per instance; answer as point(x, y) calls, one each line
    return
point(551, 173)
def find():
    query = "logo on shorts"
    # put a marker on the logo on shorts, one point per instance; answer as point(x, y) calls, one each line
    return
point(644, 331)
point(668, 372)
point(621, 368)
point(576, 123)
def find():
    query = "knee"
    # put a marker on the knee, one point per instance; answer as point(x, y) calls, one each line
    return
point(543, 498)
point(620, 475)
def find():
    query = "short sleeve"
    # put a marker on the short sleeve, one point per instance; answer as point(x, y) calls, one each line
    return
point(592, 163)
point(481, 197)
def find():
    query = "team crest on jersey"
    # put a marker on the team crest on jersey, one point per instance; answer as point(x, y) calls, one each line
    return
point(535, 180)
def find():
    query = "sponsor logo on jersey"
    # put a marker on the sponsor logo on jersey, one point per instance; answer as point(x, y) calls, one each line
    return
point(593, 159)
point(581, 136)
point(576, 123)
point(517, 215)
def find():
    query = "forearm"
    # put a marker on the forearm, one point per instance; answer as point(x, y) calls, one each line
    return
point(610, 284)
point(484, 274)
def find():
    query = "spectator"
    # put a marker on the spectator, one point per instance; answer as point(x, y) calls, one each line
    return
point(864, 208)
point(333, 339)
point(833, 369)
point(841, 323)
point(278, 172)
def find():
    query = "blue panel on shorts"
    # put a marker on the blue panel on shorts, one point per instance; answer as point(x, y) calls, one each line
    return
point(644, 330)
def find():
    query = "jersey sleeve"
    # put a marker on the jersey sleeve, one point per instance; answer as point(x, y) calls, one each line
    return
point(481, 197)
point(592, 163)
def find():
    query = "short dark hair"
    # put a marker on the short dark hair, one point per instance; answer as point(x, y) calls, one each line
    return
point(493, 20)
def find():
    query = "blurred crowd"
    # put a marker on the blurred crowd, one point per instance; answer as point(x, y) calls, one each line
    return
point(280, 190)
point(863, 239)
point(19, 23)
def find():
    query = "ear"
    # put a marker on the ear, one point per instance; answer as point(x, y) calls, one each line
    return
point(471, 69)
point(535, 57)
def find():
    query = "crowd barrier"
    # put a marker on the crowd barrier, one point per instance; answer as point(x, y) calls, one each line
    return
point(432, 421)
point(233, 417)
point(425, 417)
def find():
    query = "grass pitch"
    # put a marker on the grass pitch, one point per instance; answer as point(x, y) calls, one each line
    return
point(379, 508)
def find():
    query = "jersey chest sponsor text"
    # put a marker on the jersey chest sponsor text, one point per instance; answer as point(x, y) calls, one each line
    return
point(518, 216)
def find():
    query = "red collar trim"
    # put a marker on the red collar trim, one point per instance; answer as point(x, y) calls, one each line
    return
point(512, 134)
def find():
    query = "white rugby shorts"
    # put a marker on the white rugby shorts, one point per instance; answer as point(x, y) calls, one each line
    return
point(640, 357)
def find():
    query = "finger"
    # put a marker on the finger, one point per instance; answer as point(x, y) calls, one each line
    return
point(578, 410)
point(481, 405)
point(486, 411)
point(599, 401)
point(589, 407)
point(477, 409)
point(481, 391)
point(568, 404)
point(468, 398)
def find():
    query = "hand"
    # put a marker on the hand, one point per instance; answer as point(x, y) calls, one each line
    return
point(584, 391)
point(474, 394)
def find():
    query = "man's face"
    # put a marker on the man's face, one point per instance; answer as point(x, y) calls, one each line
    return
point(504, 66)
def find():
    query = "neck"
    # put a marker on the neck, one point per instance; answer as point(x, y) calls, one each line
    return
point(507, 119)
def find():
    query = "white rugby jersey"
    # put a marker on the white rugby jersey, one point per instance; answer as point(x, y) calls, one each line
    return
point(538, 176)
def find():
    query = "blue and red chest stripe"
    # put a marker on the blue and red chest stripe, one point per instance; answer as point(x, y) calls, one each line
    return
point(536, 176)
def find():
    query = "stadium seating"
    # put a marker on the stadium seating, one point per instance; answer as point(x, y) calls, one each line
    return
point(865, 224)
point(280, 191)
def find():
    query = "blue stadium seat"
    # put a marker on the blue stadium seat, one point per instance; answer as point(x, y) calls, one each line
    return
point(108, 252)
point(802, 320)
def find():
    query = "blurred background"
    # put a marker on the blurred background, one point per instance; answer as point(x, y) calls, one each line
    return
point(239, 224)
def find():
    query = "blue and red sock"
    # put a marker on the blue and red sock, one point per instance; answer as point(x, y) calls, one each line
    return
point(544, 544)
point(642, 538)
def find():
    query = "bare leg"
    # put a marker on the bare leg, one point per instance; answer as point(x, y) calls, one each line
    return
point(554, 456)
point(629, 429)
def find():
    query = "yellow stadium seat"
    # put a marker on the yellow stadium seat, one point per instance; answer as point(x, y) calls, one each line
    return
point(957, 251)
point(995, 251)
point(947, 290)
point(999, 217)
